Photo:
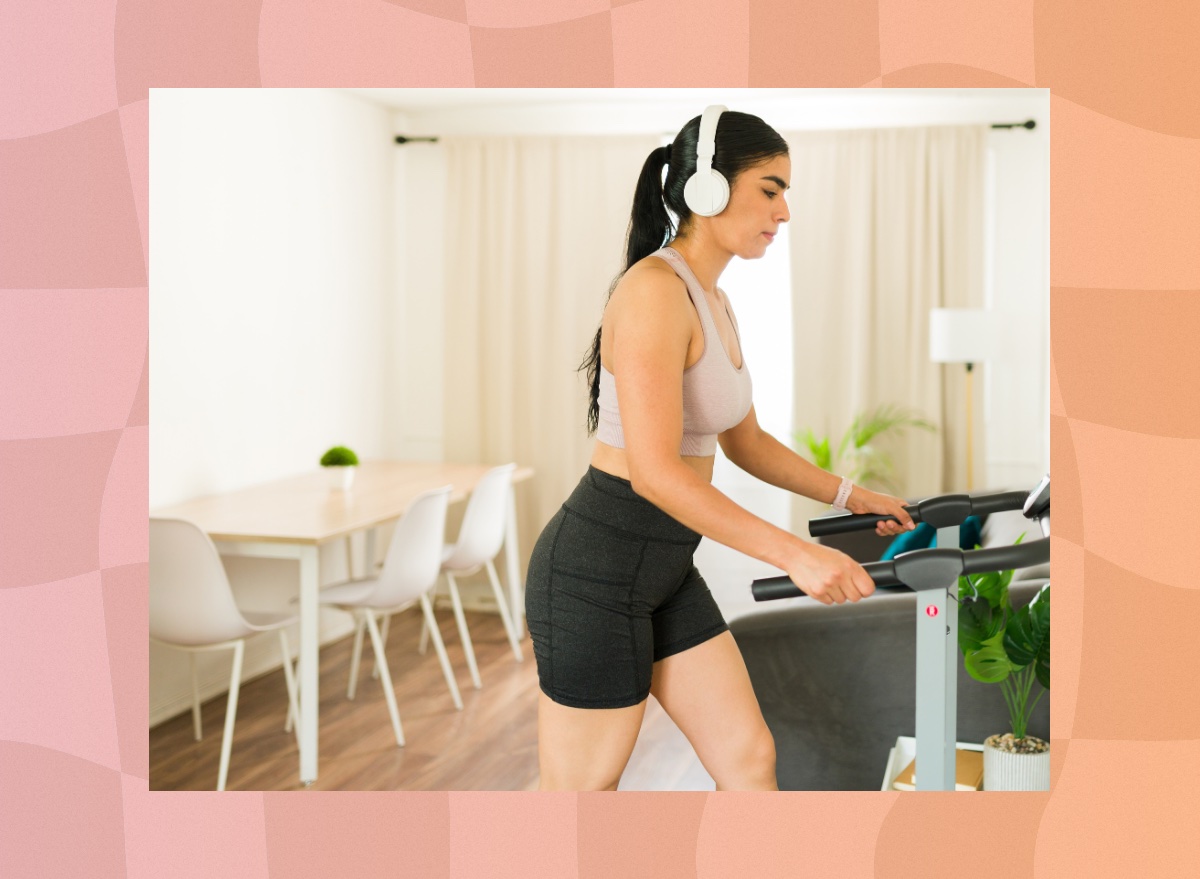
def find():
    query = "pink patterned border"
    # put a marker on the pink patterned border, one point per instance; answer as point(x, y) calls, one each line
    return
point(75, 75)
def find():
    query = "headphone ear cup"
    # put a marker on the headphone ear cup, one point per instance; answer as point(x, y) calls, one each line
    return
point(706, 194)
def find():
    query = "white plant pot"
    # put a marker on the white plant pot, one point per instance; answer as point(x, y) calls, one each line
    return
point(1007, 770)
point(341, 478)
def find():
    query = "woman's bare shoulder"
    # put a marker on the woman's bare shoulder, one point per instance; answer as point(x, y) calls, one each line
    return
point(651, 283)
point(649, 306)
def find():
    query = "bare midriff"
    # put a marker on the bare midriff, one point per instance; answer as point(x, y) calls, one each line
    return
point(613, 461)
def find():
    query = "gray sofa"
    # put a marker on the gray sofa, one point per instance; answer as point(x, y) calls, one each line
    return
point(837, 682)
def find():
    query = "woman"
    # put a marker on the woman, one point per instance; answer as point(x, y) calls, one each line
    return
point(615, 607)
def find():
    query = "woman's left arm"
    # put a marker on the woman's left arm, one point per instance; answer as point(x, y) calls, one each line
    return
point(761, 455)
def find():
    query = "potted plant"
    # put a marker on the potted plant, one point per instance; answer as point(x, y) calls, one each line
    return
point(340, 462)
point(870, 467)
point(1010, 648)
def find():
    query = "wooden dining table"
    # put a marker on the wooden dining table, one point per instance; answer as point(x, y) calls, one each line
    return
point(293, 518)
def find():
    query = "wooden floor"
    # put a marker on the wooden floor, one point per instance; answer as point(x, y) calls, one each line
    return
point(490, 745)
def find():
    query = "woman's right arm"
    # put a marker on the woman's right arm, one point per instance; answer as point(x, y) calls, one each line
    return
point(651, 331)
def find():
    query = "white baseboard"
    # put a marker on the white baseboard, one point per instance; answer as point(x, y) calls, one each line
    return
point(476, 594)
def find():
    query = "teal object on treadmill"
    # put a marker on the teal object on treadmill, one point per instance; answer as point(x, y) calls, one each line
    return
point(924, 536)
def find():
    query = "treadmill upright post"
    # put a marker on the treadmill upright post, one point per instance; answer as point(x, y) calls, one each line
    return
point(937, 680)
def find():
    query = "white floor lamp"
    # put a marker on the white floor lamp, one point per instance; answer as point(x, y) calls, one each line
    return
point(962, 335)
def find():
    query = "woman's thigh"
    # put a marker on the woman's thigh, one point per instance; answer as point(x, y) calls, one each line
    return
point(706, 691)
point(585, 748)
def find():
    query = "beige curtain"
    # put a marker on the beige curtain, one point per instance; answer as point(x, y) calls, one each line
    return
point(535, 235)
point(887, 224)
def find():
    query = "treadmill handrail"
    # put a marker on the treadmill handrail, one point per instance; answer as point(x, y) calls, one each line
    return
point(924, 564)
point(942, 511)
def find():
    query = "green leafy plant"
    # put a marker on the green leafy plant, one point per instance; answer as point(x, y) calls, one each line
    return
point(339, 456)
point(1005, 646)
point(859, 449)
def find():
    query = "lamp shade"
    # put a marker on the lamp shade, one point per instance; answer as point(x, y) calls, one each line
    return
point(961, 335)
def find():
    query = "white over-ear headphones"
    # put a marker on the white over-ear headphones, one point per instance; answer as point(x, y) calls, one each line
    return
point(707, 191)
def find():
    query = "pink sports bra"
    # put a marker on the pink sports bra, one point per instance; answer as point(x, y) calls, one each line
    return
point(716, 396)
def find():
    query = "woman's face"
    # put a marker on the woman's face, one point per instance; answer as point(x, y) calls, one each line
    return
point(757, 206)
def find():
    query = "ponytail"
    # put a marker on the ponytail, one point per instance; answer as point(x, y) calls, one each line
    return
point(649, 229)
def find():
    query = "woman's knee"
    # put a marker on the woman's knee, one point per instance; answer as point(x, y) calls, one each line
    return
point(751, 763)
point(762, 751)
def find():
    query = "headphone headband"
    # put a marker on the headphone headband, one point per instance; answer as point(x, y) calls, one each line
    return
point(706, 143)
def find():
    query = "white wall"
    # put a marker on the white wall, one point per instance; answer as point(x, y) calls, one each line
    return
point(272, 219)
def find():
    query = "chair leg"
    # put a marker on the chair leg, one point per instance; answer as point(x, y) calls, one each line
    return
point(195, 699)
point(502, 602)
point(389, 693)
point(468, 647)
point(383, 633)
point(441, 651)
point(230, 713)
point(356, 656)
point(423, 644)
point(289, 679)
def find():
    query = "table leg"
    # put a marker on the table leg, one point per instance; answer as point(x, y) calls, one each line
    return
point(516, 587)
point(369, 554)
point(309, 635)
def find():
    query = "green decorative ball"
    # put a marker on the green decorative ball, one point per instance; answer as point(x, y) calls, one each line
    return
point(339, 456)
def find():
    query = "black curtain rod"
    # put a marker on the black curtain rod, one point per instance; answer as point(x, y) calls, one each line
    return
point(1027, 124)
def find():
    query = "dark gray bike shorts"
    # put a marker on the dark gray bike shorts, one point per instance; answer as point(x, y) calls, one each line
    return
point(611, 589)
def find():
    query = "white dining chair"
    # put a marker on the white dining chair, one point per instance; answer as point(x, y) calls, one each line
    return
point(192, 608)
point(409, 575)
point(479, 542)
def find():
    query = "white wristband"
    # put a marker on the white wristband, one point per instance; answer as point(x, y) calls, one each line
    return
point(843, 495)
